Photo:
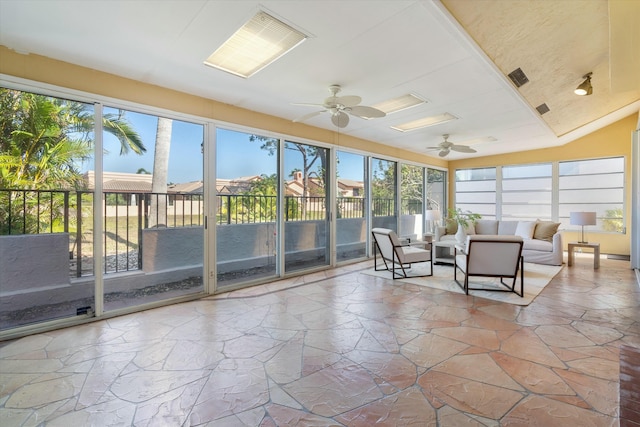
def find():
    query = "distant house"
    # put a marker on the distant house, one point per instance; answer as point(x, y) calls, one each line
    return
point(122, 182)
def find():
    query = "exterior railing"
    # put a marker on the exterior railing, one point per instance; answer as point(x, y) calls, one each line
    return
point(126, 215)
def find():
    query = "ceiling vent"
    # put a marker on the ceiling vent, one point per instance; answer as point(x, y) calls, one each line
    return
point(542, 108)
point(518, 77)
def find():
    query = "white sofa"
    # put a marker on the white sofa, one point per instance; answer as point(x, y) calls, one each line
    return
point(534, 250)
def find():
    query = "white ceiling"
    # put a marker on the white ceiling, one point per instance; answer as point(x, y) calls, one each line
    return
point(375, 49)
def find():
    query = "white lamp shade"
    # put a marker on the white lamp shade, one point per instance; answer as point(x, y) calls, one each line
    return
point(433, 215)
point(582, 218)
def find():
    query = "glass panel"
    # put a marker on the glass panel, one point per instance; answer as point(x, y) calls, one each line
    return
point(475, 198)
point(246, 224)
point(383, 190)
point(351, 225)
point(411, 194)
point(527, 197)
point(306, 229)
point(472, 186)
point(526, 171)
point(527, 184)
point(476, 174)
point(592, 181)
point(488, 211)
point(153, 208)
point(593, 186)
point(596, 166)
point(527, 192)
point(46, 209)
point(436, 196)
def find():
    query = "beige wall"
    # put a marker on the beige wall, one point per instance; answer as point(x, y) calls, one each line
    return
point(613, 140)
point(63, 74)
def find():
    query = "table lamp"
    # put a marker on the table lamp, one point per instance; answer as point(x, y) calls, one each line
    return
point(582, 218)
point(433, 216)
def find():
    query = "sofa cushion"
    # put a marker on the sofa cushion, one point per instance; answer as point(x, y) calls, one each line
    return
point(537, 245)
point(487, 226)
point(507, 227)
point(470, 229)
point(525, 229)
point(545, 230)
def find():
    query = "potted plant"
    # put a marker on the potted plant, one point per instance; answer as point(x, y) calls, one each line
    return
point(463, 218)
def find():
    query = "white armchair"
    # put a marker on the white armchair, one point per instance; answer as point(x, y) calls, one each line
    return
point(396, 256)
point(491, 256)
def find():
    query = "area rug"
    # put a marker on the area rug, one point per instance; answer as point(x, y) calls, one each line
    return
point(536, 277)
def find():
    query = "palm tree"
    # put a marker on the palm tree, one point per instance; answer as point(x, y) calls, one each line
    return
point(158, 208)
point(43, 140)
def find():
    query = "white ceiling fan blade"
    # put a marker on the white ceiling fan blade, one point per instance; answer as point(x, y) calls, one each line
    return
point(340, 119)
point(308, 116)
point(367, 112)
point(444, 153)
point(463, 149)
point(307, 104)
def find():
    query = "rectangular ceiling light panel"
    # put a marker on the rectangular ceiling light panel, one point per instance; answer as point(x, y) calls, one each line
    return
point(400, 103)
point(258, 43)
point(425, 122)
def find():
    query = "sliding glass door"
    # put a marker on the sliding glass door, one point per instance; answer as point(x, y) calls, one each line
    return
point(46, 209)
point(152, 209)
point(306, 211)
point(384, 194)
point(247, 207)
point(351, 221)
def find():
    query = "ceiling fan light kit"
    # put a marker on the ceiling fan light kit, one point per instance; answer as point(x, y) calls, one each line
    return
point(585, 87)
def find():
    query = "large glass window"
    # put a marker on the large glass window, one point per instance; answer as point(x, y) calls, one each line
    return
point(436, 195)
point(476, 191)
point(351, 224)
point(383, 193)
point(306, 233)
point(593, 186)
point(527, 192)
point(152, 210)
point(247, 203)
point(46, 209)
point(411, 196)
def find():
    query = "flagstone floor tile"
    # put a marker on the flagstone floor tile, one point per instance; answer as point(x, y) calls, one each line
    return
point(338, 348)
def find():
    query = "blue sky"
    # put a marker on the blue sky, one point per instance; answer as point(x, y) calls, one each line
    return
point(236, 155)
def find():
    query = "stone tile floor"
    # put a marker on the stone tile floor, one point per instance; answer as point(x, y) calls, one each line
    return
point(338, 348)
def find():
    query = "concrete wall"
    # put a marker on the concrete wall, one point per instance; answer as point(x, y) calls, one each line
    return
point(171, 248)
point(33, 261)
point(34, 269)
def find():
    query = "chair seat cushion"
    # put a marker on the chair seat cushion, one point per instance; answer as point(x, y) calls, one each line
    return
point(410, 254)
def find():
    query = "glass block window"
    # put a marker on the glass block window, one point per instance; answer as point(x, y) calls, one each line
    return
point(527, 192)
point(593, 186)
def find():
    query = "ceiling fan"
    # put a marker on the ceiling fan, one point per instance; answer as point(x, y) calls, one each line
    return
point(341, 107)
point(446, 147)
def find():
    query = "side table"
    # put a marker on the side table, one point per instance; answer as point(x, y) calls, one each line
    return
point(444, 252)
point(596, 252)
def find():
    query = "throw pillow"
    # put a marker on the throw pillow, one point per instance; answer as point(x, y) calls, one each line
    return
point(545, 230)
point(451, 226)
point(470, 229)
point(525, 229)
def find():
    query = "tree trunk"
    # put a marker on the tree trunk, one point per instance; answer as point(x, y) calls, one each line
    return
point(158, 208)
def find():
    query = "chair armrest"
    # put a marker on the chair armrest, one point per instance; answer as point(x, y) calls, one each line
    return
point(461, 248)
point(422, 243)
